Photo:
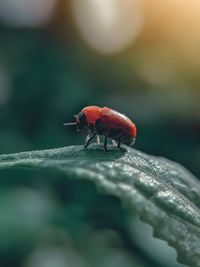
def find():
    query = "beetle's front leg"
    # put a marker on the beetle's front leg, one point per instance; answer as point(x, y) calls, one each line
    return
point(91, 135)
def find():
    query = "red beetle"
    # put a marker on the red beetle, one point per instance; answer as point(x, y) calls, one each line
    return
point(107, 122)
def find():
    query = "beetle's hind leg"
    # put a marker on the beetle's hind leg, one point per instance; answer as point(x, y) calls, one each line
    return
point(120, 140)
point(119, 146)
point(89, 138)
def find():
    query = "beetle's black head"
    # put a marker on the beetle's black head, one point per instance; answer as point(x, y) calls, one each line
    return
point(81, 121)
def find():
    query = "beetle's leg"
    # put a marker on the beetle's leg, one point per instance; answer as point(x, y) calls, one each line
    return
point(119, 146)
point(98, 139)
point(89, 138)
point(105, 143)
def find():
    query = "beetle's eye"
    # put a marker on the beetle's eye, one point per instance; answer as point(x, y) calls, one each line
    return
point(81, 120)
point(81, 117)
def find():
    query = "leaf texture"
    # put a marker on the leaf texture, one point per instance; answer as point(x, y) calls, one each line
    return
point(162, 192)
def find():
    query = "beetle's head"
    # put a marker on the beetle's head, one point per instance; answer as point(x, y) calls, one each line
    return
point(80, 122)
point(87, 116)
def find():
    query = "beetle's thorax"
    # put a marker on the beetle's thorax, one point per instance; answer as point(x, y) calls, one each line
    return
point(92, 114)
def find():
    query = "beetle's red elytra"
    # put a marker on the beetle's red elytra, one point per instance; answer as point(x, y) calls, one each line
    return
point(107, 122)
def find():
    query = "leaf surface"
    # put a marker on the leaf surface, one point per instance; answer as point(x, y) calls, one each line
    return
point(162, 192)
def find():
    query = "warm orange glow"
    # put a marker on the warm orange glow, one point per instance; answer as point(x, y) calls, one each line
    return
point(175, 24)
point(112, 25)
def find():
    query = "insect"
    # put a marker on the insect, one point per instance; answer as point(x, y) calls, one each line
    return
point(107, 122)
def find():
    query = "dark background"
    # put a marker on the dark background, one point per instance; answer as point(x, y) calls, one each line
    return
point(53, 66)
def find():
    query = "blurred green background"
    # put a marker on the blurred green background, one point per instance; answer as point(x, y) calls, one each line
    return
point(139, 57)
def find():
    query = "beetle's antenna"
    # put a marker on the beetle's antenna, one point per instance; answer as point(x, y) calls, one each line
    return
point(69, 124)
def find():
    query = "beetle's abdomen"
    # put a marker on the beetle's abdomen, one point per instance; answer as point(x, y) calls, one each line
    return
point(113, 133)
point(115, 120)
point(120, 135)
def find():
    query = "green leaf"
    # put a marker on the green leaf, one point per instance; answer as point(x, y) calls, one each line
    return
point(162, 192)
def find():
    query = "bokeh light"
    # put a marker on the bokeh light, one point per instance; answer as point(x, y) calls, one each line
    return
point(26, 13)
point(109, 26)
